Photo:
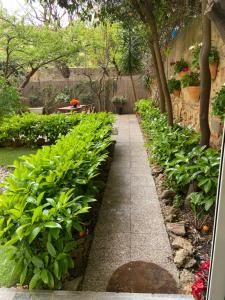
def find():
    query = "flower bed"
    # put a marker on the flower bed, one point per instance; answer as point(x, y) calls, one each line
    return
point(46, 200)
point(36, 130)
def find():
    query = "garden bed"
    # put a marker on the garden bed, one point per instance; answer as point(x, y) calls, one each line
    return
point(186, 179)
point(49, 207)
point(194, 234)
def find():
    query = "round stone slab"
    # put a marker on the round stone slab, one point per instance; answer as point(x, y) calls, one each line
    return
point(142, 277)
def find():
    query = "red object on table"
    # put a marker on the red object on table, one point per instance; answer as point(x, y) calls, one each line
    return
point(66, 109)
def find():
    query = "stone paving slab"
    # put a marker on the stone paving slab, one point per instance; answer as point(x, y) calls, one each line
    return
point(10, 294)
point(130, 225)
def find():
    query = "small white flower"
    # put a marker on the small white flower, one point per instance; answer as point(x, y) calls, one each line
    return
point(224, 84)
point(200, 44)
point(192, 47)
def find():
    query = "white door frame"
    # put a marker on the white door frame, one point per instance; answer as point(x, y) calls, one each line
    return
point(216, 286)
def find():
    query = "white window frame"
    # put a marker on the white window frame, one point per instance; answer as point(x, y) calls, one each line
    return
point(216, 286)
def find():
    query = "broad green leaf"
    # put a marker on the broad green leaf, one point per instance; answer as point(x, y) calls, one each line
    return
point(37, 262)
point(23, 275)
point(34, 280)
point(51, 249)
point(52, 225)
point(34, 234)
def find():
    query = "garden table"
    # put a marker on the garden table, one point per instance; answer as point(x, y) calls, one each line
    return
point(67, 109)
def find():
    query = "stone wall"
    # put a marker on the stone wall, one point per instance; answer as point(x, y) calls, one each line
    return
point(185, 110)
point(51, 80)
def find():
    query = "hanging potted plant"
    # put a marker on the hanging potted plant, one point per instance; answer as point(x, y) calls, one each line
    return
point(213, 59)
point(213, 62)
point(174, 87)
point(119, 102)
point(191, 83)
point(181, 68)
point(218, 105)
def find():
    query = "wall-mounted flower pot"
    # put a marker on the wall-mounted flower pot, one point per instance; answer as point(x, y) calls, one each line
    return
point(194, 93)
point(176, 93)
point(213, 70)
point(183, 73)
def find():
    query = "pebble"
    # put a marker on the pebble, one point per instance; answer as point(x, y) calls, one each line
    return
point(4, 172)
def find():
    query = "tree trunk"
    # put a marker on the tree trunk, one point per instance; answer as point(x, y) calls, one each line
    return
point(27, 78)
point(205, 79)
point(158, 79)
point(164, 82)
point(133, 87)
point(215, 11)
point(154, 32)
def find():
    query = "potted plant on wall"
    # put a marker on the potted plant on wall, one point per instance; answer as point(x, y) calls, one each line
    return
point(213, 59)
point(119, 102)
point(174, 87)
point(213, 62)
point(192, 83)
point(181, 68)
point(218, 105)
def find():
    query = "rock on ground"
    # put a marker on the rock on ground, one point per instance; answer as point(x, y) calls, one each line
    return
point(176, 228)
point(181, 243)
point(186, 281)
point(181, 257)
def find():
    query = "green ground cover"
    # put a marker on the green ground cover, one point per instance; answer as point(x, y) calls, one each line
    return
point(9, 154)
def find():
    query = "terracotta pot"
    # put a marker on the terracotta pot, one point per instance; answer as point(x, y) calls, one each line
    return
point(194, 93)
point(183, 73)
point(176, 93)
point(213, 70)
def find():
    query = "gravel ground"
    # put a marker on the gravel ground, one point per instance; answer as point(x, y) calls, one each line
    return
point(4, 172)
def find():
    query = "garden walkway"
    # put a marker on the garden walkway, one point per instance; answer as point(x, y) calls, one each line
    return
point(130, 225)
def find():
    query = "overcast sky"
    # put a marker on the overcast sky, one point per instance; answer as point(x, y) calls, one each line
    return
point(13, 6)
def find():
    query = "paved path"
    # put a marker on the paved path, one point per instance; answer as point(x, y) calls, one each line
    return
point(130, 225)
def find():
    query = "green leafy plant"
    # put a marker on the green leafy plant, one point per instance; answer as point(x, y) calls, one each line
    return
point(9, 98)
point(181, 65)
point(176, 150)
point(191, 79)
point(173, 85)
point(196, 49)
point(119, 100)
point(218, 105)
point(200, 166)
point(214, 56)
point(63, 97)
point(147, 81)
point(44, 200)
point(35, 130)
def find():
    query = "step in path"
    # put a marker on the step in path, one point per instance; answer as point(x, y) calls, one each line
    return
point(130, 225)
point(11, 294)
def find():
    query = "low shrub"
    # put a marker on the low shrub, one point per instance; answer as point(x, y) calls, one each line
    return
point(176, 150)
point(32, 129)
point(46, 195)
